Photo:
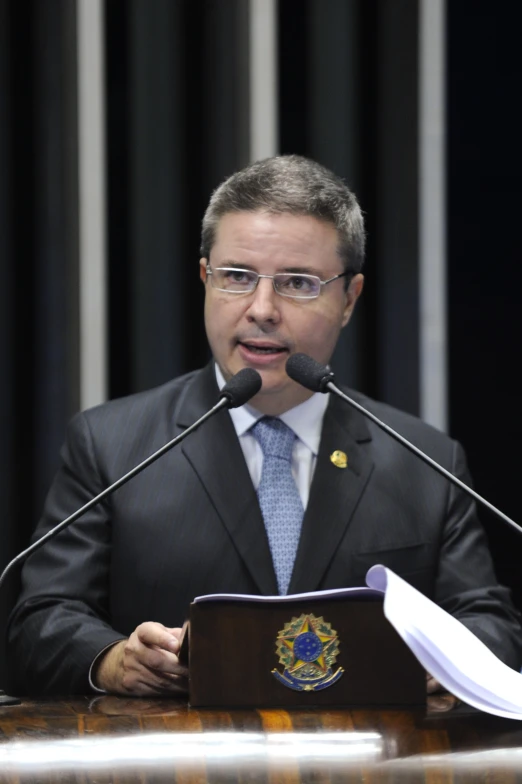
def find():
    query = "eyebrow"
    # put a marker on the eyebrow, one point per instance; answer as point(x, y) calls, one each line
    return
point(292, 270)
point(236, 265)
point(302, 270)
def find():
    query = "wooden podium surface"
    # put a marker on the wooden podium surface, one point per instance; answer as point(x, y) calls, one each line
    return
point(109, 739)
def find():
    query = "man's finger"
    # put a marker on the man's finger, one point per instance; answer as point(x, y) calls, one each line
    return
point(141, 680)
point(175, 630)
point(145, 681)
point(152, 658)
point(155, 634)
point(432, 684)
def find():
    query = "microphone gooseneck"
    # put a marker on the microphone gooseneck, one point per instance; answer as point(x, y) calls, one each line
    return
point(319, 378)
point(237, 391)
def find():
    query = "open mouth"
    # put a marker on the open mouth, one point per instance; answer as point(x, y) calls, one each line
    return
point(263, 349)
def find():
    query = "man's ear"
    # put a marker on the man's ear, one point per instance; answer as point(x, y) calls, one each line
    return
point(352, 295)
point(203, 270)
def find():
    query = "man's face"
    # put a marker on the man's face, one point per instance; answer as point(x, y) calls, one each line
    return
point(262, 329)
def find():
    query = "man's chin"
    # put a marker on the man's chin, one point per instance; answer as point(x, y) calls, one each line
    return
point(275, 399)
point(278, 393)
point(274, 381)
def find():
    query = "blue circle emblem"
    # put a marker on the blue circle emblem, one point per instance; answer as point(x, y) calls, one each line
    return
point(307, 647)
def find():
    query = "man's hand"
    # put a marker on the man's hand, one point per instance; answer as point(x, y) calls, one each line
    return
point(432, 685)
point(147, 663)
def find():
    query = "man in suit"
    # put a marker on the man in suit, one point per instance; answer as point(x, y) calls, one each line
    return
point(102, 605)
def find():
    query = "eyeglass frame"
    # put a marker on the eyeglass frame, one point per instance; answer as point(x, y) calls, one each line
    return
point(322, 283)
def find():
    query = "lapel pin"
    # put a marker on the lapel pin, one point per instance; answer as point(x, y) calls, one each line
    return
point(339, 459)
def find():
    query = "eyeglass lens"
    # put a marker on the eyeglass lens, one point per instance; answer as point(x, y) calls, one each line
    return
point(285, 283)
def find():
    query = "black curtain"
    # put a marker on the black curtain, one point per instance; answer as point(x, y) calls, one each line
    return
point(177, 124)
point(38, 227)
point(484, 172)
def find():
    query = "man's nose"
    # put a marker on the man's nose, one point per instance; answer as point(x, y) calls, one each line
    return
point(265, 303)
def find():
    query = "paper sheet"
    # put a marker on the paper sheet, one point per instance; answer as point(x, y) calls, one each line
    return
point(355, 593)
point(447, 649)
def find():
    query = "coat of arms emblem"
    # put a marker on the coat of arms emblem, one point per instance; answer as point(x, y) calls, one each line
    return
point(307, 648)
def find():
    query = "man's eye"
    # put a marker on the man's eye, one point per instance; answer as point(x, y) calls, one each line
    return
point(237, 276)
point(299, 283)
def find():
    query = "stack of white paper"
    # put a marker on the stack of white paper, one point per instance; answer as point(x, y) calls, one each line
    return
point(447, 649)
point(332, 593)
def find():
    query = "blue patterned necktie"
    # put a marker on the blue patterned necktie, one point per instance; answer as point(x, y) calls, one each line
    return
point(278, 496)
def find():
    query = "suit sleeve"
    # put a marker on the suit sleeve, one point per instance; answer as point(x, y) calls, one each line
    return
point(61, 620)
point(466, 584)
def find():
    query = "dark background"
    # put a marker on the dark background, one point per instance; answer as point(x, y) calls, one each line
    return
point(176, 86)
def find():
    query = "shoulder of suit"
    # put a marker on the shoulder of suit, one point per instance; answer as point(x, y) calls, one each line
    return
point(151, 400)
point(408, 425)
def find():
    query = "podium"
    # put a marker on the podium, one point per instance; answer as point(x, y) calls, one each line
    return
point(325, 652)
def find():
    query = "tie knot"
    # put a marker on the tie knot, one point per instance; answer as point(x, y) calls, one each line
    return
point(275, 438)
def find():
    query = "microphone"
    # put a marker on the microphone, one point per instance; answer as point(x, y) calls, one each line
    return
point(319, 378)
point(240, 388)
point(236, 392)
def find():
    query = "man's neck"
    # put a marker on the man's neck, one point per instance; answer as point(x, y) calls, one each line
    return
point(275, 403)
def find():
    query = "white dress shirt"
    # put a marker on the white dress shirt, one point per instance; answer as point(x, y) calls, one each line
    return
point(306, 420)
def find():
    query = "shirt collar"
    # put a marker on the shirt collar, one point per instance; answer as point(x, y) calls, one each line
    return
point(306, 419)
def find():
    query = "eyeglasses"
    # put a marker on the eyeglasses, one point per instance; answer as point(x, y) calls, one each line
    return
point(288, 284)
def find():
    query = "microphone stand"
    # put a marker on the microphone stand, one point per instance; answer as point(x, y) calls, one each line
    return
point(456, 481)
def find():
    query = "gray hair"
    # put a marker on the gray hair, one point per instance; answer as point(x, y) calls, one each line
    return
point(290, 184)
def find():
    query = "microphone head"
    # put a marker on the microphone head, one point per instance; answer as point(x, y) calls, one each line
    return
point(240, 388)
point(308, 372)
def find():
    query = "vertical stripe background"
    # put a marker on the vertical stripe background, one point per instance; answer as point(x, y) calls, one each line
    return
point(432, 215)
point(92, 278)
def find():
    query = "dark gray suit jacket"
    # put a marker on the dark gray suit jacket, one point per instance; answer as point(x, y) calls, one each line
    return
point(190, 524)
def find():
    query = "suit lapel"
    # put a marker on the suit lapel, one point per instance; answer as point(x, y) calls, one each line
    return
point(334, 494)
point(215, 454)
